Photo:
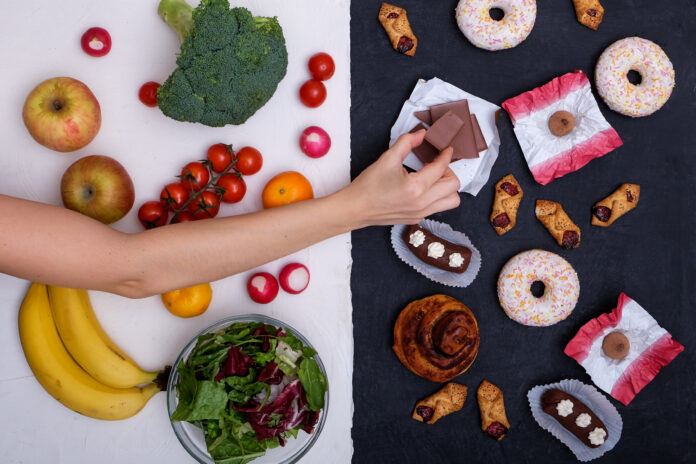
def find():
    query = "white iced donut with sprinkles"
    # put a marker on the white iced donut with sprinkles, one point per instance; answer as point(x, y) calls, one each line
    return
point(475, 19)
point(557, 281)
point(647, 59)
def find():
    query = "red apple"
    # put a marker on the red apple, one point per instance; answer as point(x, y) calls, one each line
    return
point(99, 187)
point(62, 114)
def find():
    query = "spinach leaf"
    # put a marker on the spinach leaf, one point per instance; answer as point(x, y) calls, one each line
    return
point(209, 402)
point(313, 382)
point(186, 392)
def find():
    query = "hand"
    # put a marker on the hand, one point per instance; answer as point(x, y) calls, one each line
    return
point(385, 193)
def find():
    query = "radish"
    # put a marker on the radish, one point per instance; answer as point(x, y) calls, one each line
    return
point(315, 142)
point(294, 278)
point(96, 42)
point(262, 287)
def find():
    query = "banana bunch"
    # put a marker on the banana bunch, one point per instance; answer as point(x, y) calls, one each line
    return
point(76, 361)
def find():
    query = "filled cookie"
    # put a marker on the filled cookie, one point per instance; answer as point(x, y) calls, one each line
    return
point(447, 400)
point(493, 419)
point(623, 200)
point(395, 23)
point(589, 13)
point(508, 195)
point(557, 222)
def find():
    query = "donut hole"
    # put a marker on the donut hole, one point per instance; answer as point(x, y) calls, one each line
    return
point(496, 14)
point(538, 288)
point(634, 77)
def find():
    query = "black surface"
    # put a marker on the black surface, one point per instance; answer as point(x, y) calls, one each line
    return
point(650, 253)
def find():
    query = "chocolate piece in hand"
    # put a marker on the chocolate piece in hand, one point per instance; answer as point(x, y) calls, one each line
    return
point(424, 152)
point(436, 251)
point(592, 433)
point(464, 144)
point(442, 132)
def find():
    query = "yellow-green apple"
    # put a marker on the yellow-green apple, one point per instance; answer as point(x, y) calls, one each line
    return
point(99, 187)
point(62, 114)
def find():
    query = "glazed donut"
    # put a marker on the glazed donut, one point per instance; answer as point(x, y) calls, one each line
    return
point(644, 57)
point(475, 21)
point(561, 288)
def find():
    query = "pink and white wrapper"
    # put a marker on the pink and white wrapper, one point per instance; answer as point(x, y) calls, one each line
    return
point(547, 155)
point(651, 348)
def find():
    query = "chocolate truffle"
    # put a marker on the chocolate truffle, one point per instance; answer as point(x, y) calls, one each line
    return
point(561, 123)
point(616, 345)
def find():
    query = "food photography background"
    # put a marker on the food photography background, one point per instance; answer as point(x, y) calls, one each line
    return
point(649, 253)
point(40, 40)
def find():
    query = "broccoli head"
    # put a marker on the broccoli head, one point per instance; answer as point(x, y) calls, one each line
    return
point(229, 66)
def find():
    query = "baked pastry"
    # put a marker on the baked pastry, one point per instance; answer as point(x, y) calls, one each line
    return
point(589, 13)
point(436, 337)
point(436, 251)
point(561, 123)
point(557, 222)
point(447, 400)
point(508, 195)
point(623, 200)
point(616, 345)
point(395, 23)
point(575, 416)
point(493, 419)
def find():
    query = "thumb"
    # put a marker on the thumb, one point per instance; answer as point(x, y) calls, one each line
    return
point(404, 144)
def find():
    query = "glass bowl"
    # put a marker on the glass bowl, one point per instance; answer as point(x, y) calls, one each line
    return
point(191, 437)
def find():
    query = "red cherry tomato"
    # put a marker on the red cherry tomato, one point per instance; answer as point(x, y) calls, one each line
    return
point(174, 195)
point(220, 156)
point(184, 216)
point(96, 42)
point(234, 187)
point(148, 93)
point(312, 93)
point(152, 214)
point(322, 66)
point(249, 161)
point(195, 176)
point(205, 205)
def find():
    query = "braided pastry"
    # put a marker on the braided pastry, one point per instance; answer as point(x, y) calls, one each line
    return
point(508, 195)
point(447, 400)
point(557, 222)
point(436, 337)
point(589, 13)
point(395, 23)
point(623, 200)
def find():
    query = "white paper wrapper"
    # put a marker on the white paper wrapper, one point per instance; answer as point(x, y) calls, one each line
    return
point(472, 173)
point(594, 400)
point(438, 275)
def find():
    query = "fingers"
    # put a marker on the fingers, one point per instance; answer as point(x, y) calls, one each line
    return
point(405, 144)
point(444, 187)
point(432, 172)
point(451, 201)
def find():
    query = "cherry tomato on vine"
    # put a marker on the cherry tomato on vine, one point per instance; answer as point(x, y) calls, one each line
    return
point(235, 187)
point(184, 216)
point(220, 156)
point(205, 205)
point(322, 66)
point(312, 93)
point(152, 214)
point(148, 93)
point(249, 161)
point(195, 176)
point(174, 195)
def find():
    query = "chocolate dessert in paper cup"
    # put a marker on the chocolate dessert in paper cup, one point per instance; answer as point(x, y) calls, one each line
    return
point(458, 244)
point(594, 400)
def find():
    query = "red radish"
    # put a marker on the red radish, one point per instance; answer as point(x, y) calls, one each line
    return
point(262, 287)
point(315, 142)
point(96, 42)
point(148, 93)
point(294, 278)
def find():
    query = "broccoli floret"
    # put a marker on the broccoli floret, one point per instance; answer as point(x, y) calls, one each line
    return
point(229, 66)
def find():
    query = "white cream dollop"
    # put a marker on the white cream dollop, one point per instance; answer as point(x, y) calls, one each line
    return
point(455, 260)
point(583, 420)
point(564, 408)
point(597, 436)
point(436, 250)
point(417, 238)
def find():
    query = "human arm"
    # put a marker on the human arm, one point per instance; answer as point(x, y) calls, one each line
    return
point(54, 245)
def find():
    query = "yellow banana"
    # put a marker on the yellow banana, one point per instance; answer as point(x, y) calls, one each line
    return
point(87, 342)
point(61, 376)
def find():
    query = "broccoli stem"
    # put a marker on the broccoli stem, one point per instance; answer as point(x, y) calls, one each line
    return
point(178, 15)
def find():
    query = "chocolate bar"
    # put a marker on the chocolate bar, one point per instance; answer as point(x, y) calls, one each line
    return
point(424, 152)
point(466, 142)
point(424, 116)
point(478, 135)
point(444, 130)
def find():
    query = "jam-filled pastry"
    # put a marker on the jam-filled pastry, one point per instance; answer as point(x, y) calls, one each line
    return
point(436, 337)
point(447, 400)
point(557, 222)
point(623, 200)
point(589, 13)
point(508, 195)
point(575, 416)
point(395, 23)
point(493, 419)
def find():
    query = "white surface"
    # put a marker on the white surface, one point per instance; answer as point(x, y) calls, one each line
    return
point(41, 39)
point(472, 173)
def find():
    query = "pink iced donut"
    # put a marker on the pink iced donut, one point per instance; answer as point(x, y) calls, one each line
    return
point(475, 21)
point(644, 57)
point(561, 288)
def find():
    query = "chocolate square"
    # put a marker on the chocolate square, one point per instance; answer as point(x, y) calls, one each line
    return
point(424, 116)
point(466, 143)
point(478, 135)
point(444, 130)
point(424, 152)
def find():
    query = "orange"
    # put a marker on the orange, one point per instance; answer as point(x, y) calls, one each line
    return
point(189, 301)
point(286, 187)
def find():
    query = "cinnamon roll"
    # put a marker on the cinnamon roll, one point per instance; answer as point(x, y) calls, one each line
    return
point(436, 337)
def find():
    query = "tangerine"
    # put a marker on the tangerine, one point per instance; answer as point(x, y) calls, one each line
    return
point(189, 301)
point(287, 187)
